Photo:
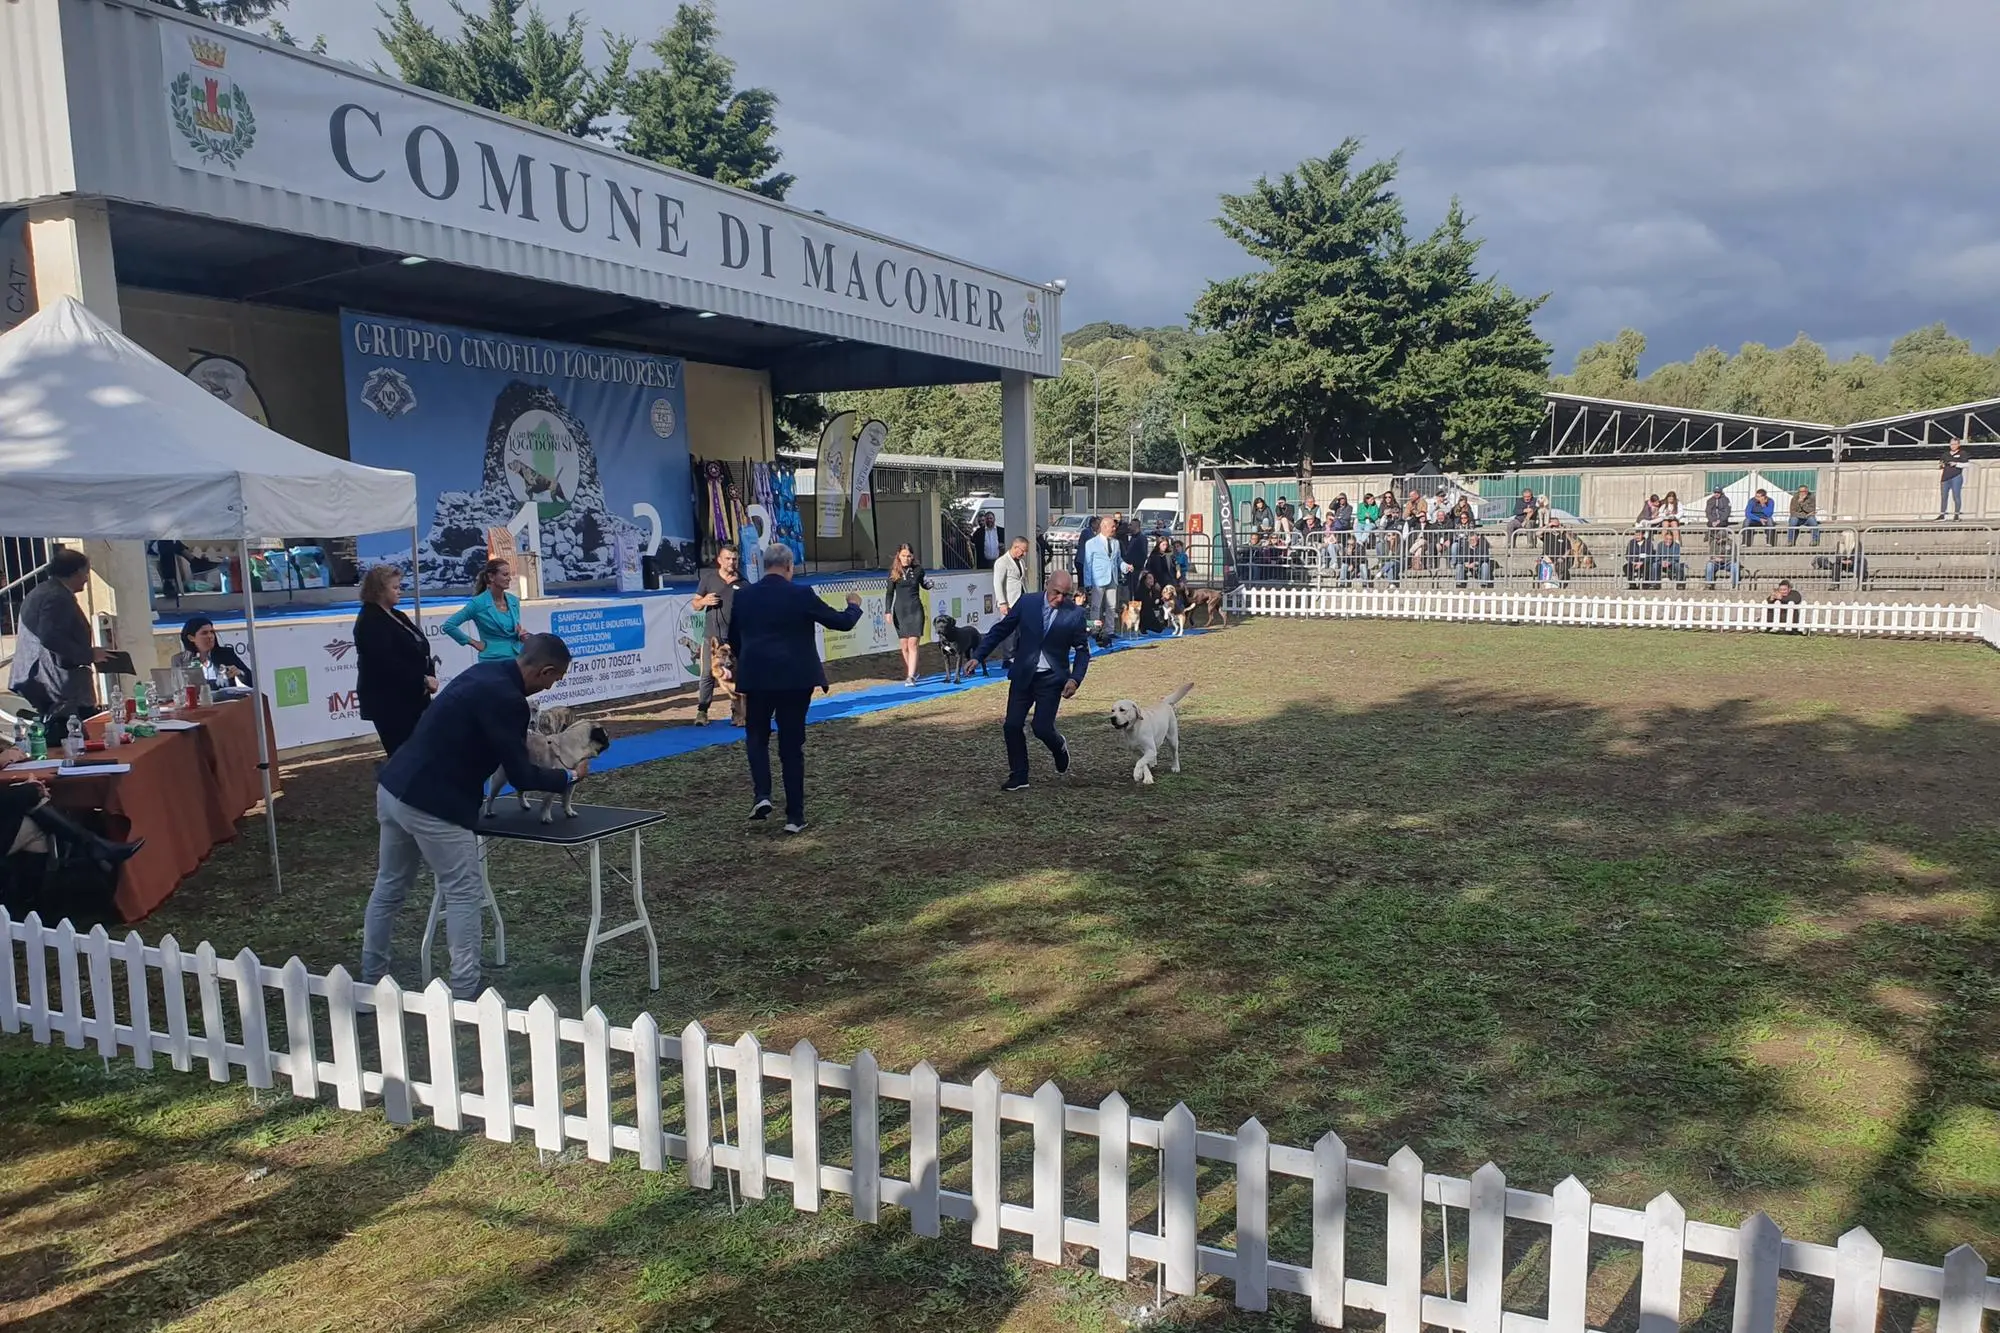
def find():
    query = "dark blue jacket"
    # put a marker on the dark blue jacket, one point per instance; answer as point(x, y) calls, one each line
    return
point(477, 725)
point(771, 634)
point(1070, 634)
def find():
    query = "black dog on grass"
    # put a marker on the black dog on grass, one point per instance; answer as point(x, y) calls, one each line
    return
point(959, 642)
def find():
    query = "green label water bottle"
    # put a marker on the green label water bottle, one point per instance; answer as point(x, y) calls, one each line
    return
point(38, 741)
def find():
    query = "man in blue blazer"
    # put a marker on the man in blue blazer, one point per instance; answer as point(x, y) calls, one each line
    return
point(777, 669)
point(1054, 633)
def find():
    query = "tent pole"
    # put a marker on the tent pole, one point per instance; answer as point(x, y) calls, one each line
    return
point(257, 664)
point(416, 582)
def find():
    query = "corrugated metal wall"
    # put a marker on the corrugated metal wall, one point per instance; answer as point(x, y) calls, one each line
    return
point(34, 109)
point(117, 129)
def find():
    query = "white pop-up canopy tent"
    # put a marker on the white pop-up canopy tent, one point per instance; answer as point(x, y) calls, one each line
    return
point(101, 440)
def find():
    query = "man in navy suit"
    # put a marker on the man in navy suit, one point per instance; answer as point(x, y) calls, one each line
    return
point(777, 669)
point(1054, 631)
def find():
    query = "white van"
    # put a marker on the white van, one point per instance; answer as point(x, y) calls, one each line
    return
point(968, 510)
point(1160, 513)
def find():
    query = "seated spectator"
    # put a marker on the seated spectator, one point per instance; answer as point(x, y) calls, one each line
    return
point(1641, 562)
point(1283, 514)
point(1804, 514)
point(1340, 515)
point(1718, 510)
point(1721, 560)
point(1670, 507)
point(1757, 514)
point(1671, 565)
point(1261, 518)
point(1309, 514)
point(1784, 606)
point(1526, 515)
point(1368, 514)
point(1649, 513)
point(1475, 560)
point(1562, 552)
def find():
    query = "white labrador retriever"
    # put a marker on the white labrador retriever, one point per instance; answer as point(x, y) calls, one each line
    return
point(1148, 730)
point(554, 742)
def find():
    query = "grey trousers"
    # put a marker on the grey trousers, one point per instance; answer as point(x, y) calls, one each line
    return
point(1102, 604)
point(411, 840)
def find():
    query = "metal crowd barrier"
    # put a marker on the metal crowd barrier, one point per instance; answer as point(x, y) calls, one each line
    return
point(1596, 558)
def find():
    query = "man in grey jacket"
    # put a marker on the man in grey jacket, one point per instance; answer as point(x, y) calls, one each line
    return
point(54, 618)
point(1010, 584)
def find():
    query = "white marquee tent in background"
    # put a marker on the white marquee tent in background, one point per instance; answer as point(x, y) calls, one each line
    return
point(99, 439)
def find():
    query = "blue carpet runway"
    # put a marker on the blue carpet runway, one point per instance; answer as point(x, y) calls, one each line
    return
point(670, 742)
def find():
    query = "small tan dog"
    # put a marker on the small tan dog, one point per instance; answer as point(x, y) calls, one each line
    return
point(1128, 617)
point(1148, 730)
point(554, 742)
point(722, 666)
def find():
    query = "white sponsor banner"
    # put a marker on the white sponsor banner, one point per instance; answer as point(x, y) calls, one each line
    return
point(249, 112)
point(867, 448)
point(620, 649)
point(836, 457)
point(965, 595)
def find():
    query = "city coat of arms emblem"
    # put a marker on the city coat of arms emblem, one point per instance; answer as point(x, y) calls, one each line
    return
point(210, 109)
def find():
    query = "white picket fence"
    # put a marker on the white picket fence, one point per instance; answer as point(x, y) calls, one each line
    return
point(1884, 619)
point(156, 981)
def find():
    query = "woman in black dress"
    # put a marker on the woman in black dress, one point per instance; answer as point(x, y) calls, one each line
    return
point(396, 669)
point(903, 606)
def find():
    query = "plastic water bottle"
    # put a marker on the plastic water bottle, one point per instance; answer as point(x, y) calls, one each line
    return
point(73, 741)
point(116, 701)
point(20, 733)
point(38, 740)
point(144, 703)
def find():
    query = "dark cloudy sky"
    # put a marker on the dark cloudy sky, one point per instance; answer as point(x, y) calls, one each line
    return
point(1704, 170)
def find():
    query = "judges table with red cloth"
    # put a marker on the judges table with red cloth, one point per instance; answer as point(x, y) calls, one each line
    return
point(183, 796)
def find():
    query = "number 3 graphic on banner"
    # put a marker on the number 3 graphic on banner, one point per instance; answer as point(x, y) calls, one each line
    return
point(767, 527)
point(651, 518)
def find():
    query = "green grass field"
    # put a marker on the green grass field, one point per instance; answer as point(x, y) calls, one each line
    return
point(1715, 915)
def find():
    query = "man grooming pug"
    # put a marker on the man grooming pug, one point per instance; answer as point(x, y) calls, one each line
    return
point(428, 797)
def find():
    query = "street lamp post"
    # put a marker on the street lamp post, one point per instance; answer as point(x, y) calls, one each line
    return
point(1095, 403)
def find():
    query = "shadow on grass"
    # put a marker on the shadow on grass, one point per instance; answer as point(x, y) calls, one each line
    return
point(1732, 948)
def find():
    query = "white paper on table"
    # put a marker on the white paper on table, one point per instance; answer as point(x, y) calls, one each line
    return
point(93, 770)
point(175, 724)
point(32, 766)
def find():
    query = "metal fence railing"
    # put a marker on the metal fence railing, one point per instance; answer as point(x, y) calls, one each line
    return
point(21, 561)
point(1963, 560)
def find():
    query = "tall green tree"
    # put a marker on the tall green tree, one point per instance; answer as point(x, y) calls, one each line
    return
point(688, 112)
point(1352, 336)
point(522, 66)
point(227, 11)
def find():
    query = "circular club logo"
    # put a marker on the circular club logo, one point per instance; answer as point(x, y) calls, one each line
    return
point(664, 420)
point(228, 380)
point(541, 462)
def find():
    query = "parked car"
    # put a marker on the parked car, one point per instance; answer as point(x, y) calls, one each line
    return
point(1060, 538)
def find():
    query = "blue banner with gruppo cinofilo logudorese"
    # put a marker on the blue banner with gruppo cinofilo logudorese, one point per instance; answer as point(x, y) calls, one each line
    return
point(594, 437)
